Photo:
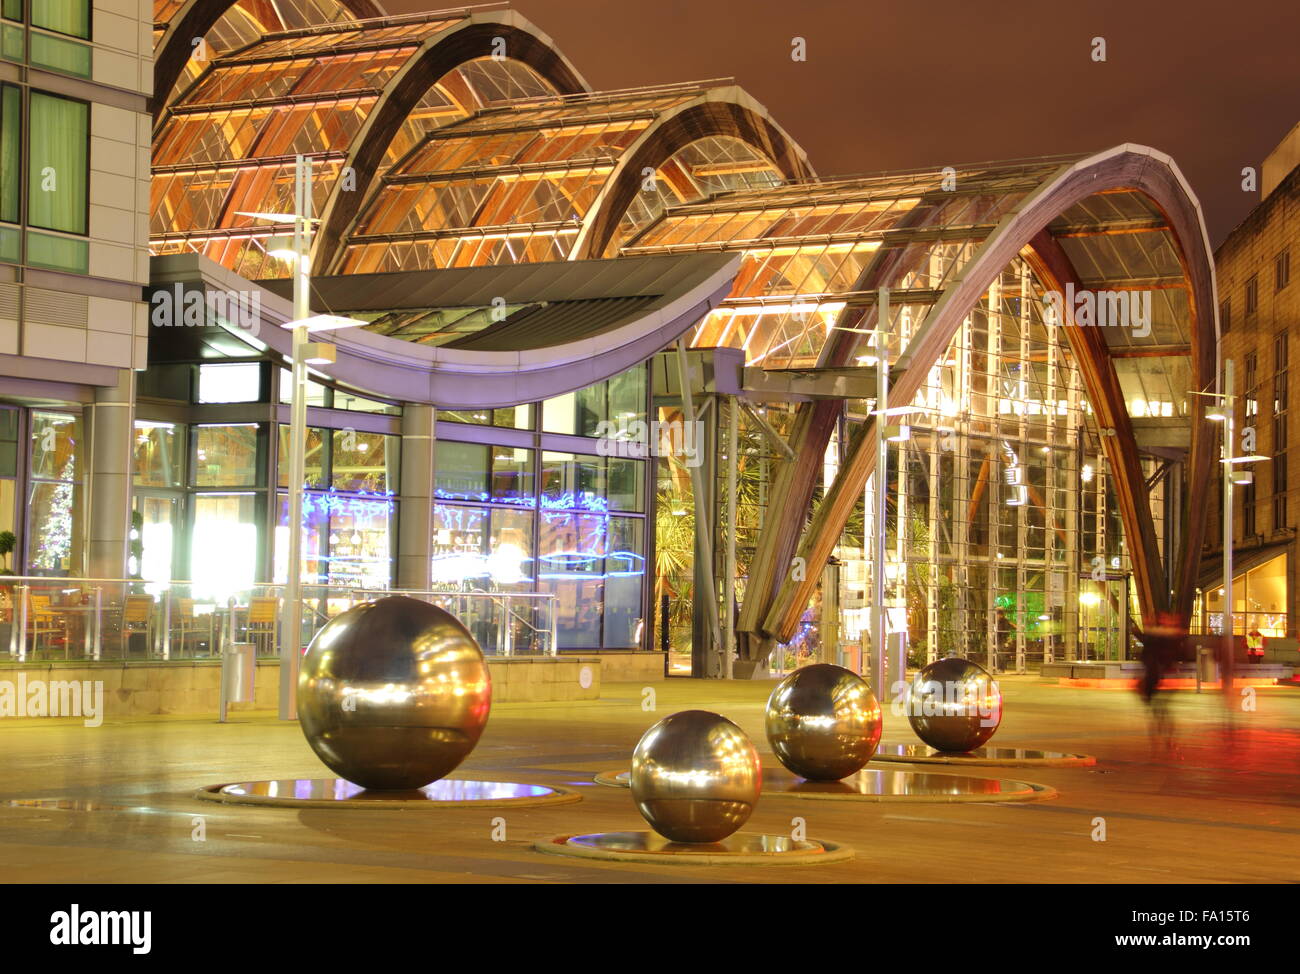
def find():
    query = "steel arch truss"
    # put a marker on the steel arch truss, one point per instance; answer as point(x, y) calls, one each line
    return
point(805, 298)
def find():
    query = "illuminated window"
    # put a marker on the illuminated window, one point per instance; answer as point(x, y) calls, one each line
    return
point(225, 456)
point(53, 546)
point(233, 382)
point(159, 453)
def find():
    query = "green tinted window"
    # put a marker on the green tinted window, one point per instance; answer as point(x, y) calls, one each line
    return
point(57, 163)
point(64, 16)
point(12, 9)
point(11, 131)
point(58, 253)
point(55, 53)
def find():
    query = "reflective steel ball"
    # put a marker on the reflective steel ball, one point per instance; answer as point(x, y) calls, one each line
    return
point(954, 705)
point(393, 694)
point(695, 777)
point(823, 722)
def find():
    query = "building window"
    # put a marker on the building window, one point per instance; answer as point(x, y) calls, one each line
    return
point(345, 460)
point(1225, 315)
point(11, 129)
point(235, 382)
point(619, 403)
point(315, 462)
point(1282, 270)
point(1280, 383)
point(53, 508)
point(159, 454)
point(365, 462)
point(58, 163)
point(1252, 294)
point(224, 545)
point(511, 417)
point(49, 44)
point(71, 17)
point(347, 540)
point(226, 456)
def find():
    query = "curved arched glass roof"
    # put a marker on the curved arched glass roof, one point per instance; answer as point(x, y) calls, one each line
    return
point(811, 248)
point(241, 23)
point(518, 183)
point(226, 145)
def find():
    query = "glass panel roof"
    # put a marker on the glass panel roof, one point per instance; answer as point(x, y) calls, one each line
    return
point(227, 144)
point(514, 184)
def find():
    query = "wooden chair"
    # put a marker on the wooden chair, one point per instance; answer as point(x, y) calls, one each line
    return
point(184, 627)
point(42, 620)
point(262, 616)
point(137, 617)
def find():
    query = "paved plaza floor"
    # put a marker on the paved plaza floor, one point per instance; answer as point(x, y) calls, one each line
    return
point(1220, 804)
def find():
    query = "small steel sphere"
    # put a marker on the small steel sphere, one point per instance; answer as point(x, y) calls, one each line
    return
point(695, 777)
point(954, 705)
point(823, 722)
point(393, 694)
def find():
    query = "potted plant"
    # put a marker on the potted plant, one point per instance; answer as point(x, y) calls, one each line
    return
point(8, 542)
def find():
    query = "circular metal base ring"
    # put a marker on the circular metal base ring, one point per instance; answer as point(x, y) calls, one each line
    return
point(741, 849)
point(993, 757)
point(879, 785)
point(340, 793)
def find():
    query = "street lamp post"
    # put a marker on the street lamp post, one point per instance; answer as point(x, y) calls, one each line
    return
point(297, 250)
point(1229, 430)
point(1226, 412)
point(878, 675)
point(291, 625)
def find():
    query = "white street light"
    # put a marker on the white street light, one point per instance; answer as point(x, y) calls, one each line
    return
point(297, 248)
point(1223, 410)
point(323, 323)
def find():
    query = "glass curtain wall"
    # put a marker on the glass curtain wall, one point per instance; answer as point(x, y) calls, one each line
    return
point(510, 518)
point(349, 509)
point(1004, 541)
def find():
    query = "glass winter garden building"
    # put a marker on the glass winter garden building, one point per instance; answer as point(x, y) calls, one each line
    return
point(536, 262)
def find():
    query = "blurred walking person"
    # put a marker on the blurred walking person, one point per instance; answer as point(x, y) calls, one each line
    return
point(1162, 647)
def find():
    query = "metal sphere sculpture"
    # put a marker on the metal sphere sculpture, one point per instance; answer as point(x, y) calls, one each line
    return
point(954, 705)
point(393, 694)
point(823, 722)
point(695, 777)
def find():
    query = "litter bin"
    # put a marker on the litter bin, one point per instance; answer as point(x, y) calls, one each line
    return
point(1207, 666)
point(238, 669)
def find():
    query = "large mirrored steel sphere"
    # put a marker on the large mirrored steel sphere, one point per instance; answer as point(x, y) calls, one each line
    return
point(393, 694)
point(954, 705)
point(695, 777)
point(823, 722)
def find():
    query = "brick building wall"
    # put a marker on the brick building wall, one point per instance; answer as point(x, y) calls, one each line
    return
point(1258, 268)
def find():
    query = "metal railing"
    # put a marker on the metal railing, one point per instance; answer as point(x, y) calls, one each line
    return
point(513, 623)
point(46, 619)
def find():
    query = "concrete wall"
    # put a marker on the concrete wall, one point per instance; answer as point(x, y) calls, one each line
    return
point(631, 667)
point(193, 687)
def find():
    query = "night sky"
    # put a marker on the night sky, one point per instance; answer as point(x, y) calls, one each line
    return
point(913, 83)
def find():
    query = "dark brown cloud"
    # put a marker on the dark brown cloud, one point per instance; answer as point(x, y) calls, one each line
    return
point(939, 82)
